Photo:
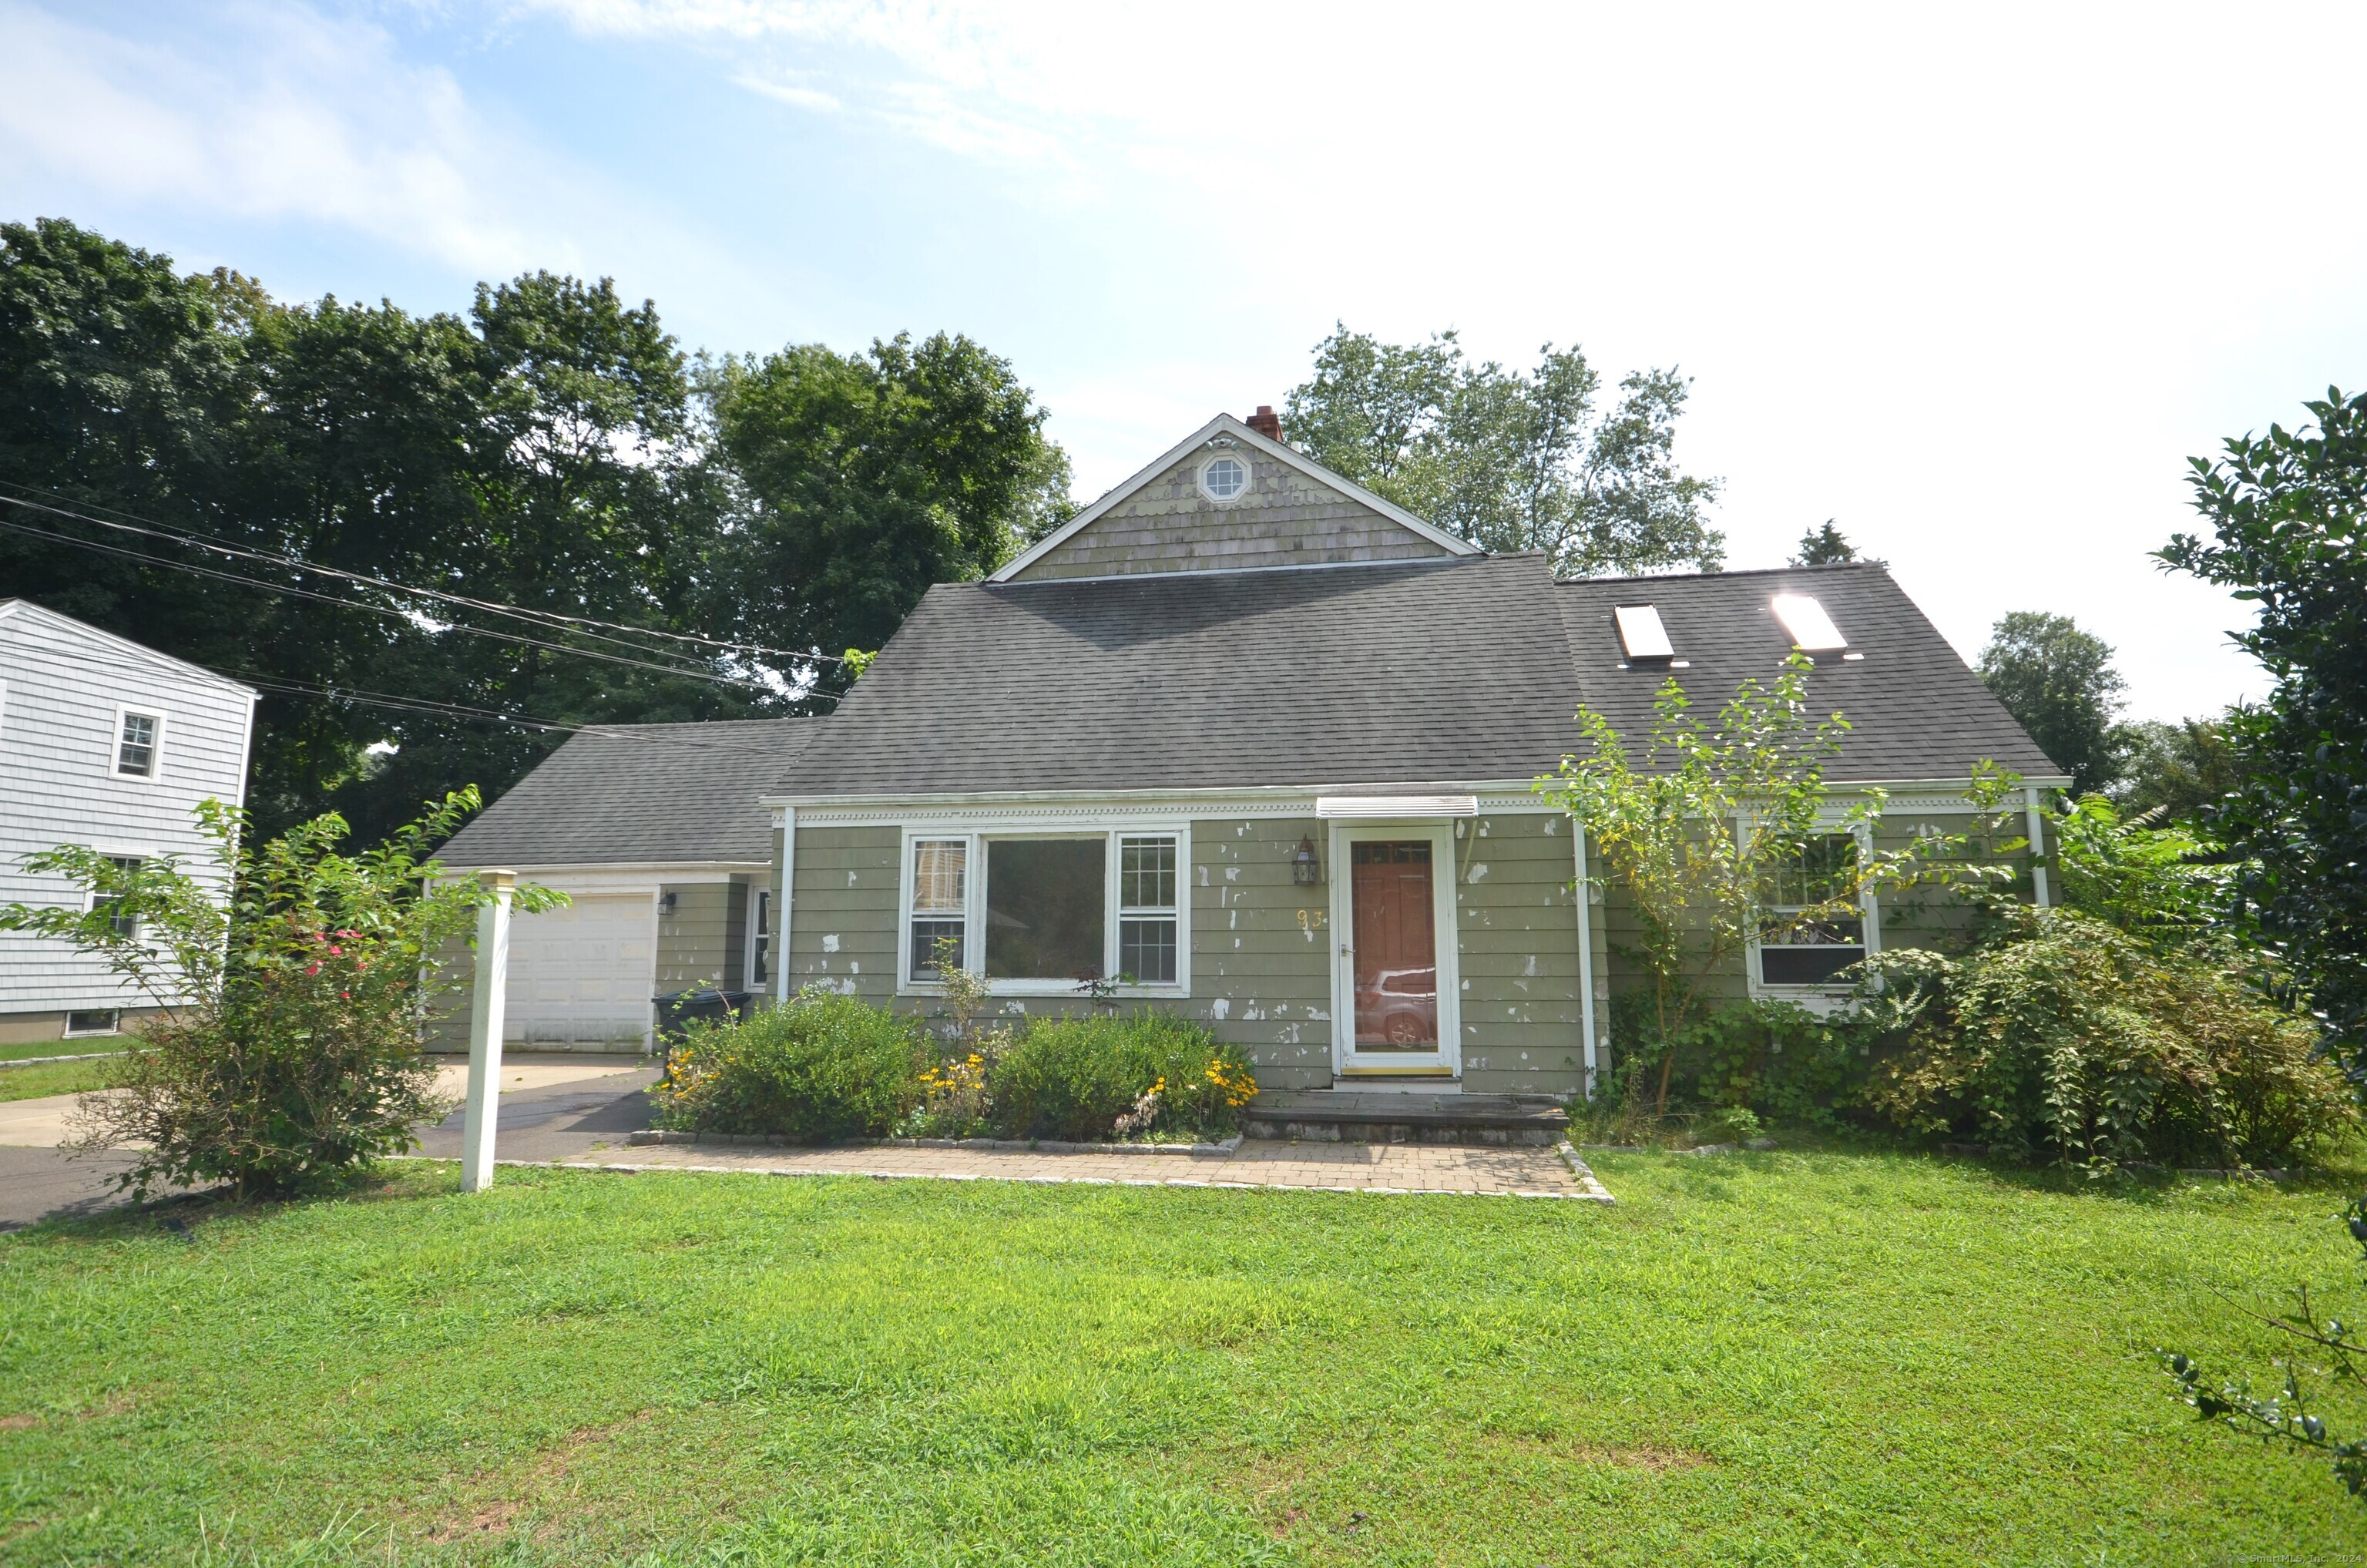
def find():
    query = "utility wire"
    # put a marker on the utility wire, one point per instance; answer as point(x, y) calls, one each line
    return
point(366, 698)
point(196, 540)
point(510, 636)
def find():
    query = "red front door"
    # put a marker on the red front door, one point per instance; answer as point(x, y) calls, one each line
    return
point(1396, 947)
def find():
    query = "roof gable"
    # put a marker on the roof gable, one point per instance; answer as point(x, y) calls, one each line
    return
point(30, 613)
point(1296, 512)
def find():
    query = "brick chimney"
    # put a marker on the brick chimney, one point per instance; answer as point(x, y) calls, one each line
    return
point(1265, 423)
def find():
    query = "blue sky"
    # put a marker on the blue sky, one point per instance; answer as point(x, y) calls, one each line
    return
point(1975, 282)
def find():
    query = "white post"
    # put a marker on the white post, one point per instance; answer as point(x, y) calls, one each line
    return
point(485, 1032)
point(1585, 955)
point(2035, 819)
point(782, 907)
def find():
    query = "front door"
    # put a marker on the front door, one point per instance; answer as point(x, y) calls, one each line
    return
point(1396, 1004)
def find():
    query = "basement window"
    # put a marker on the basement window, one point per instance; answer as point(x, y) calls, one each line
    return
point(96, 1020)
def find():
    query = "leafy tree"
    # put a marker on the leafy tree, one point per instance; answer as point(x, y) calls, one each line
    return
point(1666, 825)
point(1511, 459)
point(1824, 547)
point(863, 478)
point(2285, 513)
point(294, 981)
point(2177, 769)
point(551, 449)
point(2059, 682)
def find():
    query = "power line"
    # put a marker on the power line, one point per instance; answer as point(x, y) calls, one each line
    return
point(196, 539)
point(366, 698)
point(510, 636)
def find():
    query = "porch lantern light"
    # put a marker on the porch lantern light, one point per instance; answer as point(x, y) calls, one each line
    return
point(1305, 870)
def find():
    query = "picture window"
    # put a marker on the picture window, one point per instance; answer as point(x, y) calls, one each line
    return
point(1044, 914)
point(1044, 908)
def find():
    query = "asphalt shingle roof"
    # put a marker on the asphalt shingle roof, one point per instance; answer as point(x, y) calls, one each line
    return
point(670, 794)
point(1916, 711)
point(1400, 673)
point(1404, 674)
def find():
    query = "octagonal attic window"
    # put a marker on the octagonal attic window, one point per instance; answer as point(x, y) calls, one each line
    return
point(1224, 477)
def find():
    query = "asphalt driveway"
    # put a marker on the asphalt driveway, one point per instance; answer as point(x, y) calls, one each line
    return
point(539, 1120)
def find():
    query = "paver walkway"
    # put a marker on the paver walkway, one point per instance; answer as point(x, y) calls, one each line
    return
point(1333, 1167)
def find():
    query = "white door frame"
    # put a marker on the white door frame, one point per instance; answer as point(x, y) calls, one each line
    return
point(1346, 1061)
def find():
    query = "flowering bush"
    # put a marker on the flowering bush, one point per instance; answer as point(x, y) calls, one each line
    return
point(288, 1049)
point(1076, 1078)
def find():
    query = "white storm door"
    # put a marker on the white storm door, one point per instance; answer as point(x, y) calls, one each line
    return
point(1394, 1001)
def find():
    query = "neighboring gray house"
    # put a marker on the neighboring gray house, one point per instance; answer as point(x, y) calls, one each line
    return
point(1263, 742)
point(110, 745)
point(654, 833)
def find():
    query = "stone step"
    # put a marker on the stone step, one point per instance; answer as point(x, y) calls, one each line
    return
point(1348, 1115)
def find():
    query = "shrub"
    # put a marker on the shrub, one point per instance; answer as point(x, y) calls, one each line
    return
point(820, 1068)
point(2064, 1032)
point(287, 1052)
point(1073, 1078)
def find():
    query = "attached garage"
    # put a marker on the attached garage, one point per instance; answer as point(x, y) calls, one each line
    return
point(582, 976)
point(654, 833)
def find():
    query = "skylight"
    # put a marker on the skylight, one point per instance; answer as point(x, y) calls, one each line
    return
point(1641, 634)
point(1812, 629)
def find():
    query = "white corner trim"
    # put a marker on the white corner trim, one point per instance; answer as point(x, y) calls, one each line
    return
point(1226, 425)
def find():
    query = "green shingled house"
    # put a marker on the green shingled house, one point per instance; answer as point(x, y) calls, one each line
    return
point(1256, 744)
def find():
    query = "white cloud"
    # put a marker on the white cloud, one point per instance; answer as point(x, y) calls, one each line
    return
point(302, 119)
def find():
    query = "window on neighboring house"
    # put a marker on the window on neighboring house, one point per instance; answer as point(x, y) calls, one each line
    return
point(97, 1020)
point(1146, 913)
point(1794, 950)
point(122, 922)
point(940, 903)
point(1045, 902)
point(135, 744)
point(760, 937)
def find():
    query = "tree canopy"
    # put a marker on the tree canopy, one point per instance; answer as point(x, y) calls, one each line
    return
point(552, 450)
point(866, 477)
point(2059, 682)
point(1513, 459)
point(2286, 513)
point(1825, 546)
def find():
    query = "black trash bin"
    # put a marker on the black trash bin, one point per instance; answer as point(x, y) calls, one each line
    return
point(678, 1009)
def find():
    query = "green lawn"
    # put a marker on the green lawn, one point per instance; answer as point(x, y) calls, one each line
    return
point(1824, 1358)
point(52, 1078)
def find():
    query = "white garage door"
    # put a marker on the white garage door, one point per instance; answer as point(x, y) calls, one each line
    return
point(582, 975)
